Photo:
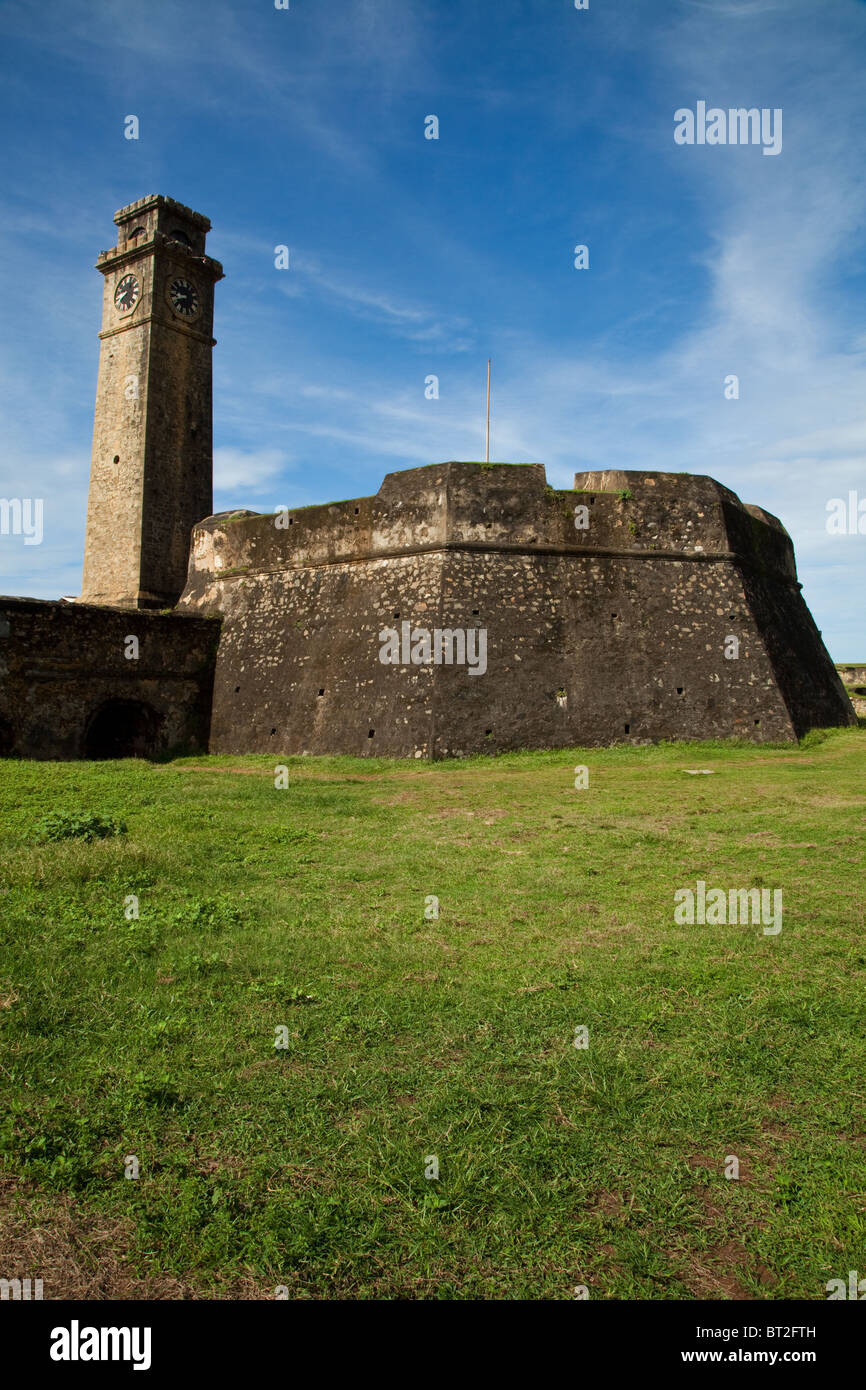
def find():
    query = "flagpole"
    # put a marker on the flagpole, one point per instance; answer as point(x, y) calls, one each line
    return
point(487, 446)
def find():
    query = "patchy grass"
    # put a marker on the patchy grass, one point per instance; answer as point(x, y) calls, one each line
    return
point(411, 1037)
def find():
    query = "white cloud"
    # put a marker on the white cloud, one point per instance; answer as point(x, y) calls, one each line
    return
point(253, 471)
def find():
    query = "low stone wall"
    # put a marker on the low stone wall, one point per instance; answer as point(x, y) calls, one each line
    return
point(72, 687)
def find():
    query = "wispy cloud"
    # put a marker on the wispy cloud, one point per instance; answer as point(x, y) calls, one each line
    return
point(413, 322)
point(235, 468)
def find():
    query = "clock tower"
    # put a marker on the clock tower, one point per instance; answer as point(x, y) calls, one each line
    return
point(151, 474)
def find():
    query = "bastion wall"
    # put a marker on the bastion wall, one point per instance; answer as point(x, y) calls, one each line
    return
point(607, 613)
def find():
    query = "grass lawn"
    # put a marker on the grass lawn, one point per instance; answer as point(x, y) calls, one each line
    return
point(416, 1040)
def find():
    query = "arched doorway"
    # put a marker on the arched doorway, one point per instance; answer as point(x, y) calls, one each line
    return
point(122, 729)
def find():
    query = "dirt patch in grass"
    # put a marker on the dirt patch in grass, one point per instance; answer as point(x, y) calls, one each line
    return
point(607, 1204)
point(716, 1273)
point(83, 1255)
point(708, 1161)
point(721, 1270)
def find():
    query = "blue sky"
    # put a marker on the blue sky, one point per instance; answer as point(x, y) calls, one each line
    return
point(412, 257)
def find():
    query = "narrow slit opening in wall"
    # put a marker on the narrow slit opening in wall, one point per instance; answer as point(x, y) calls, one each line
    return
point(371, 733)
point(237, 690)
point(116, 458)
point(628, 728)
point(357, 510)
point(273, 731)
point(322, 691)
point(680, 689)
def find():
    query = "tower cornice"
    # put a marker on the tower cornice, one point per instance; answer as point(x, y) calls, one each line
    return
point(134, 322)
point(124, 255)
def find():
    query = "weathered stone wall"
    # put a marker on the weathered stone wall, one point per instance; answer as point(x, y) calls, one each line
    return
point(612, 633)
point(62, 667)
point(298, 670)
point(602, 649)
point(853, 677)
point(112, 550)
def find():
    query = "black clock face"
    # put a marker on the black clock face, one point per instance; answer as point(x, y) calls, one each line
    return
point(183, 297)
point(126, 294)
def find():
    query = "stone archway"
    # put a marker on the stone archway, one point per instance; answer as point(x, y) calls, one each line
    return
point(122, 729)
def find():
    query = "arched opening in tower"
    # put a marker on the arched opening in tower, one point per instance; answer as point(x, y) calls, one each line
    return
point(122, 729)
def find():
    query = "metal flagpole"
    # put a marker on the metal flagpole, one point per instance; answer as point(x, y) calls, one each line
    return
point(487, 447)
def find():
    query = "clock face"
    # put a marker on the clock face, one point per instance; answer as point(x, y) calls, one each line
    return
point(183, 298)
point(126, 294)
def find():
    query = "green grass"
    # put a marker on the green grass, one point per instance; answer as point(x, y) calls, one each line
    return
point(410, 1037)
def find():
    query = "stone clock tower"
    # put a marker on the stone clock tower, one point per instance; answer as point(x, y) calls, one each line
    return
point(151, 475)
